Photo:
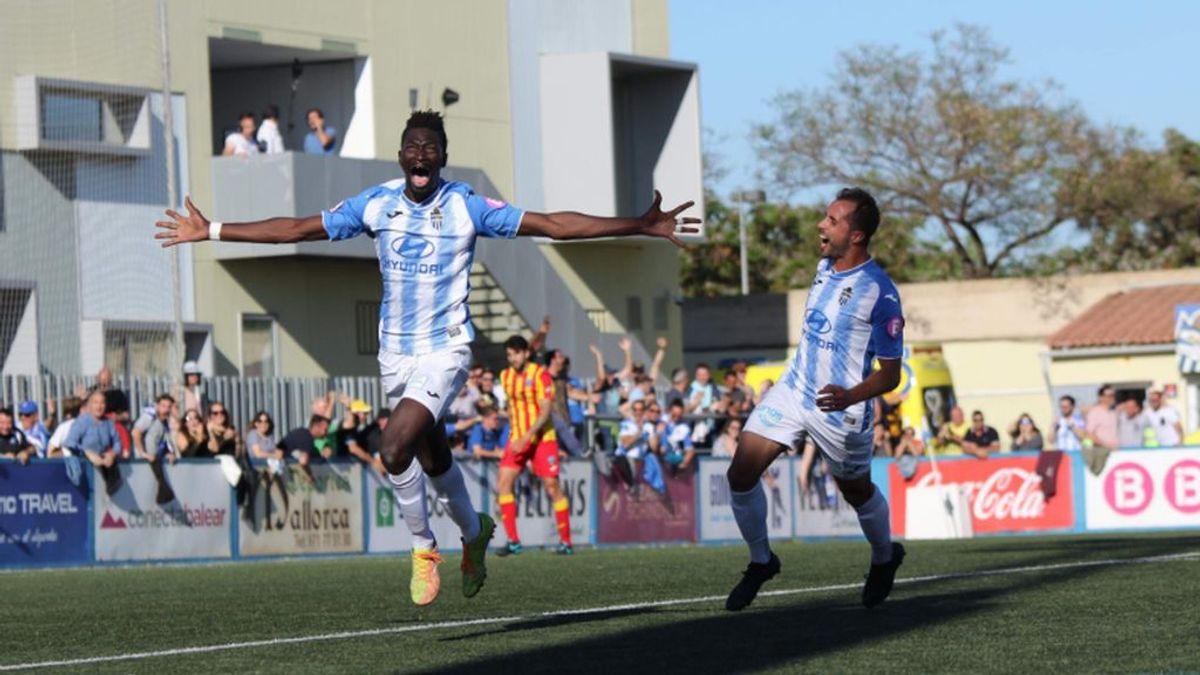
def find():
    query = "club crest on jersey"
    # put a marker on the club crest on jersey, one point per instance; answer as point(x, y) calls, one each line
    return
point(845, 296)
point(435, 218)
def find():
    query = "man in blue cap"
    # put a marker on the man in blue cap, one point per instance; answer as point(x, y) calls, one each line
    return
point(31, 425)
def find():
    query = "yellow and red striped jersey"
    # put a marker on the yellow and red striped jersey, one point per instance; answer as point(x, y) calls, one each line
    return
point(526, 391)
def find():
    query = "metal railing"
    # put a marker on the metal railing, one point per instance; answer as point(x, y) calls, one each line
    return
point(287, 399)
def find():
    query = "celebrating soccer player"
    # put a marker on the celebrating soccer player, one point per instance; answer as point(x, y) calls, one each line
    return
point(424, 230)
point(852, 317)
point(530, 391)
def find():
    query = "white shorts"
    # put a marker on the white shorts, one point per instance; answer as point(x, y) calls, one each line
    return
point(782, 418)
point(433, 380)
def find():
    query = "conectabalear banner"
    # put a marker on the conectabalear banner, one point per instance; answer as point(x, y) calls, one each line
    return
point(1004, 493)
point(643, 515)
point(43, 515)
point(130, 525)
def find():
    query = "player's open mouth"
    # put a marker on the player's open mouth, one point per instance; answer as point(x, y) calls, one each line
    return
point(418, 176)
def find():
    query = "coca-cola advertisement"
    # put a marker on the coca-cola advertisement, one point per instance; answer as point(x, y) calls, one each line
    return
point(1004, 494)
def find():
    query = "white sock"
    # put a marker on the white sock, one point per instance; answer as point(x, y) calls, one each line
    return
point(410, 497)
point(750, 512)
point(875, 520)
point(452, 491)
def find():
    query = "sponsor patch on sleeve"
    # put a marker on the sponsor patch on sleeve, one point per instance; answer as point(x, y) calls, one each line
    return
point(493, 203)
point(895, 326)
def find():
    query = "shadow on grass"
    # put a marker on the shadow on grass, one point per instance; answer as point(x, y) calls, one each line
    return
point(765, 637)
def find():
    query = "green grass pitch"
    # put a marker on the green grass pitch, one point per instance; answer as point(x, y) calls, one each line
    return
point(1079, 604)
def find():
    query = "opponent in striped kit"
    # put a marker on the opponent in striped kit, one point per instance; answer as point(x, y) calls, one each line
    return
point(530, 391)
point(425, 230)
point(852, 318)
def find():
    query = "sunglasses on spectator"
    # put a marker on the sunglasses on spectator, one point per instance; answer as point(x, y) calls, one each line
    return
point(216, 412)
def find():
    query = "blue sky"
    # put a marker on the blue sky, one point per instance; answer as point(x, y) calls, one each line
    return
point(1128, 63)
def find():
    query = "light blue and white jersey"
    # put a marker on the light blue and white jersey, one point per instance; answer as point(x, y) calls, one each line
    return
point(425, 253)
point(850, 319)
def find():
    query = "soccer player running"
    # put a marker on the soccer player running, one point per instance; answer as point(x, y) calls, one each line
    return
point(852, 317)
point(424, 230)
point(530, 391)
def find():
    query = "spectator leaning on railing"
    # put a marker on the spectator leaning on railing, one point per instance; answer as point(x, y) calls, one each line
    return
point(1101, 419)
point(93, 436)
point(1024, 434)
point(950, 436)
point(260, 443)
point(70, 411)
point(13, 442)
point(676, 438)
point(981, 439)
point(1070, 429)
point(152, 442)
point(191, 436)
point(489, 438)
point(32, 427)
point(1164, 419)
point(300, 443)
point(1133, 429)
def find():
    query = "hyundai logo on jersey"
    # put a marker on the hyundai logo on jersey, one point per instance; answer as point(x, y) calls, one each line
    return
point(413, 247)
point(817, 322)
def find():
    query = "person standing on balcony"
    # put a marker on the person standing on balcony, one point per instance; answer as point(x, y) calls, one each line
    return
point(425, 229)
point(270, 141)
point(321, 138)
point(242, 142)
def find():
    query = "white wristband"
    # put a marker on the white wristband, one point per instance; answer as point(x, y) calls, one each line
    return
point(214, 230)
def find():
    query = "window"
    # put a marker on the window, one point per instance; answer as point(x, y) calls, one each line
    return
point(662, 306)
point(366, 327)
point(633, 313)
point(138, 352)
point(71, 117)
point(259, 353)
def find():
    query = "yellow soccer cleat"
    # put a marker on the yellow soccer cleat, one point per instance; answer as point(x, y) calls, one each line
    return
point(425, 582)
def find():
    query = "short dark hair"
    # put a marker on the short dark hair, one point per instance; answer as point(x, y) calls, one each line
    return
point(976, 412)
point(485, 410)
point(164, 397)
point(6, 411)
point(704, 366)
point(246, 114)
point(317, 419)
point(1100, 391)
point(427, 119)
point(271, 112)
point(517, 343)
point(314, 110)
point(865, 216)
point(676, 403)
point(1067, 397)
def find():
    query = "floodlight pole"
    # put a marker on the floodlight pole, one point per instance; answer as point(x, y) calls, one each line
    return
point(745, 199)
point(172, 198)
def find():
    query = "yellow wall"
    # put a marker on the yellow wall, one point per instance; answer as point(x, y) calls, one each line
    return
point(651, 28)
point(1001, 378)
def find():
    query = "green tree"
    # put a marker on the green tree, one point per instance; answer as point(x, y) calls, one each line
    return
point(1144, 210)
point(941, 138)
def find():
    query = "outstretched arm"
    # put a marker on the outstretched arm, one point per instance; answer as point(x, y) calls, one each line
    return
point(659, 355)
point(181, 229)
point(571, 225)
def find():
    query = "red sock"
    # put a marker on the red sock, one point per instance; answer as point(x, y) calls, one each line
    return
point(508, 514)
point(562, 516)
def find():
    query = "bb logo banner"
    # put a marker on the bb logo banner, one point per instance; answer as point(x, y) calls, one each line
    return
point(292, 516)
point(716, 512)
point(43, 516)
point(1145, 488)
point(1003, 493)
point(131, 526)
point(389, 534)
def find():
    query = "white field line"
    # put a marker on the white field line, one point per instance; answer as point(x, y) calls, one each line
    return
point(346, 635)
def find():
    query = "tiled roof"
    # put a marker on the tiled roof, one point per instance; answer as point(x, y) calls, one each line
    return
point(1142, 316)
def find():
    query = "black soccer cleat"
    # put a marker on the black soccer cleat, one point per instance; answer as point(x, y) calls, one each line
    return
point(753, 578)
point(881, 577)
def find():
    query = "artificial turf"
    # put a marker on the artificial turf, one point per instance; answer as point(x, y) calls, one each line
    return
point(1062, 617)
